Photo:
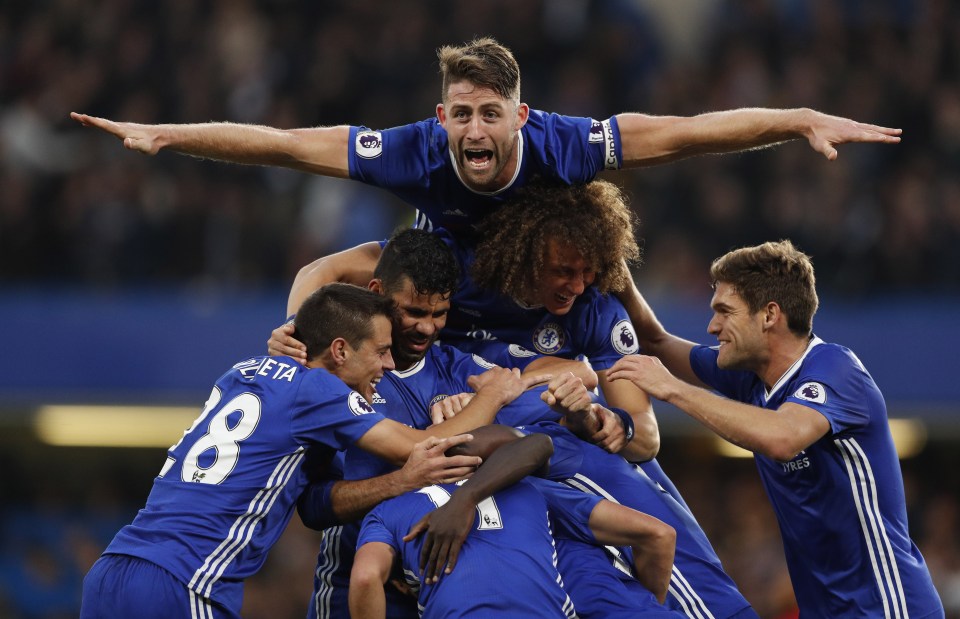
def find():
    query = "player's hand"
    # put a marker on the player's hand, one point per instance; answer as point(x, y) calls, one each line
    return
point(428, 464)
point(647, 373)
point(448, 407)
point(142, 138)
point(826, 132)
point(505, 384)
point(611, 436)
point(567, 395)
point(282, 342)
point(446, 529)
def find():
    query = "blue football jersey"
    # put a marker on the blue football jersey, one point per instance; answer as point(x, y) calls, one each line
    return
point(599, 579)
point(840, 502)
point(404, 396)
point(414, 163)
point(229, 486)
point(506, 567)
point(698, 586)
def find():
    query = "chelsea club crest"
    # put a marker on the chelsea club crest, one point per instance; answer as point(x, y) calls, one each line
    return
point(548, 338)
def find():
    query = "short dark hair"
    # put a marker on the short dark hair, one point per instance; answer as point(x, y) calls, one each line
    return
point(421, 256)
point(338, 310)
point(483, 62)
point(773, 271)
point(592, 218)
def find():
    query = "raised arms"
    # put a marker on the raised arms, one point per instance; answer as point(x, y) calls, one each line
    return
point(320, 150)
point(651, 140)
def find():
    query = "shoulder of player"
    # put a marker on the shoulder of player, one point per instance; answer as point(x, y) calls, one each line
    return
point(831, 357)
point(592, 306)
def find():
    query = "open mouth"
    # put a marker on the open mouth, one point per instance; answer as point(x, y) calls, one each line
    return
point(478, 158)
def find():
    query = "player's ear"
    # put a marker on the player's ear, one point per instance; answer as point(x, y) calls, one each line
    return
point(338, 351)
point(376, 285)
point(771, 314)
point(523, 113)
point(441, 114)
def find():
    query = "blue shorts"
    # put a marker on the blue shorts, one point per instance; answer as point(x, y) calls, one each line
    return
point(125, 586)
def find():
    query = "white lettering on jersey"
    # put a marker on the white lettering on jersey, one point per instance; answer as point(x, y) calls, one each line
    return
point(277, 370)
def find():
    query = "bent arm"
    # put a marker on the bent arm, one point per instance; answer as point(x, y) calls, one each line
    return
point(653, 542)
point(320, 150)
point(654, 339)
point(350, 266)
point(371, 569)
point(780, 434)
point(549, 364)
point(645, 443)
point(651, 140)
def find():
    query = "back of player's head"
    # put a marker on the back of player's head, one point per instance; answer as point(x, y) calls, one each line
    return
point(483, 62)
point(423, 258)
point(338, 311)
point(593, 218)
point(773, 271)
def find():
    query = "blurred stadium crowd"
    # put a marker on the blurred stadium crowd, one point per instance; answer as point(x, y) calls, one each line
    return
point(78, 210)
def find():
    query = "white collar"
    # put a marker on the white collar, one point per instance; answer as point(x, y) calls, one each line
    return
point(767, 394)
point(516, 172)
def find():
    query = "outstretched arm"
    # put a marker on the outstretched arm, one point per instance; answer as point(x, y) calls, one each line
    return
point(651, 140)
point(780, 435)
point(320, 150)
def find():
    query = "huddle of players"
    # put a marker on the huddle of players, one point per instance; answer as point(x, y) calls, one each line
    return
point(275, 433)
point(600, 584)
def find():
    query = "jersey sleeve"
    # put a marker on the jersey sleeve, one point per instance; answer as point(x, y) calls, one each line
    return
point(396, 157)
point(569, 508)
point(608, 335)
point(360, 464)
point(833, 382)
point(375, 529)
point(574, 149)
point(322, 470)
point(733, 384)
point(328, 412)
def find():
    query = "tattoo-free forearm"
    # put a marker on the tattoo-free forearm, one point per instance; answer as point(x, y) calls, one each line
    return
point(352, 499)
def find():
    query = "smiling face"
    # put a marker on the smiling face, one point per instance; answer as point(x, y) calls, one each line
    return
point(417, 323)
point(739, 331)
point(363, 367)
point(482, 130)
point(565, 276)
